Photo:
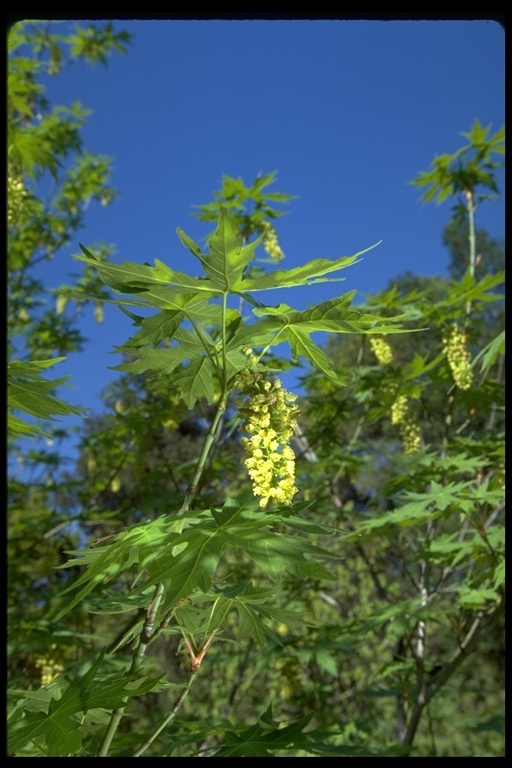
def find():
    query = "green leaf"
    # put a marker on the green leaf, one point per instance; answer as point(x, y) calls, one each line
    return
point(255, 608)
point(130, 277)
point(28, 392)
point(136, 545)
point(268, 736)
point(334, 316)
point(302, 346)
point(476, 599)
point(401, 616)
point(162, 360)
point(196, 380)
point(308, 273)
point(59, 726)
point(155, 329)
point(274, 552)
point(282, 323)
point(491, 352)
point(265, 737)
point(164, 324)
point(154, 360)
point(17, 426)
point(185, 561)
point(470, 166)
point(228, 255)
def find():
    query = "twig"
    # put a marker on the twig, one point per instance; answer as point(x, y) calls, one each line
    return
point(144, 640)
point(167, 719)
point(196, 660)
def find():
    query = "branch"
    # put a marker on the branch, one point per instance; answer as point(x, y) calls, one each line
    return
point(480, 627)
point(138, 656)
point(419, 655)
point(196, 660)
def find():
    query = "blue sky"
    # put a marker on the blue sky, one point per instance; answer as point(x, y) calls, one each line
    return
point(346, 113)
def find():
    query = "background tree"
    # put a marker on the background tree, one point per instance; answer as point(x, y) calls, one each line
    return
point(359, 602)
point(490, 253)
point(417, 437)
point(44, 144)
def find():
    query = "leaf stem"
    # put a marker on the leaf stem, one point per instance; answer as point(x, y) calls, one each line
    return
point(471, 207)
point(209, 440)
point(144, 640)
point(167, 719)
point(212, 432)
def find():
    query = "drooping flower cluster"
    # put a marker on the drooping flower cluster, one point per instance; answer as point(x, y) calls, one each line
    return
point(457, 354)
point(409, 430)
point(411, 437)
point(399, 409)
point(16, 197)
point(49, 667)
point(381, 350)
point(270, 419)
point(270, 242)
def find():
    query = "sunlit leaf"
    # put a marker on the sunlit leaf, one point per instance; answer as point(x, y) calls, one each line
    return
point(61, 729)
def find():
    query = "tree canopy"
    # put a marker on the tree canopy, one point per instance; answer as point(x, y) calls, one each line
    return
point(229, 568)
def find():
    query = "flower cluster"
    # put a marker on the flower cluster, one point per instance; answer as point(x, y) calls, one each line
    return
point(16, 197)
point(271, 244)
point(381, 350)
point(409, 430)
point(49, 668)
point(458, 357)
point(411, 437)
point(270, 419)
point(399, 409)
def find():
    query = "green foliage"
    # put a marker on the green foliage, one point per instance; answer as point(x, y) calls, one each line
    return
point(44, 141)
point(28, 391)
point(268, 738)
point(473, 165)
point(490, 252)
point(185, 562)
point(58, 732)
point(187, 301)
point(363, 598)
point(250, 208)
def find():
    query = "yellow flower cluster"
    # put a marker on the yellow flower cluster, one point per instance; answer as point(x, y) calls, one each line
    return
point(271, 244)
point(16, 196)
point(411, 437)
point(115, 484)
point(458, 357)
point(409, 430)
point(381, 350)
point(399, 409)
point(270, 419)
point(49, 668)
point(500, 476)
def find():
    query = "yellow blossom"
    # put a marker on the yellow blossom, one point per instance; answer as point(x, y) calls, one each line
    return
point(381, 350)
point(271, 244)
point(410, 432)
point(399, 409)
point(458, 357)
point(16, 198)
point(49, 668)
point(269, 417)
point(411, 436)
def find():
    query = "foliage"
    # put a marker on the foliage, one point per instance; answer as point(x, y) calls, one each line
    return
point(252, 209)
point(45, 144)
point(27, 391)
point(490, 253)
point(51, 181)
point(194, 620)
point(473, 165)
